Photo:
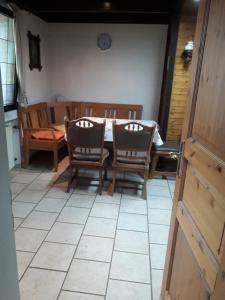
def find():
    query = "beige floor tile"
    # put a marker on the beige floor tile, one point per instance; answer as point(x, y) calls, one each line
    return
point(134, 193)
point(87, 276)
point(160, 202)
point(105, 210)
point(74, 215)
point(40, 220)
point(39, 284)
point(130, 267)
point(24, 177)
point(89, 188)
point(39, 185)
point(133, 222)
point(77, 200)
point(59, 191)
point(100, 227)
point(158, 182)
point(108, 199)
point(21, 209)
point(133, 206)
point(158, 254)
point(54, 256)
point(159, 191)
point(17, 222)
point(23, 261)
point(159, 216)
point(65, 233)
point(29, 239)
point(132, 241)
point(16, 188)
point(158, 234)
point(157, 276)
point(123, 290)
point(51, 204)
point(64, 295)
point(29, 196)
point(171, 184)
point(95, 248)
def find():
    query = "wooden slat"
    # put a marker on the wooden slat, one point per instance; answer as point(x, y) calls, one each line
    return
point(181, 78)
point(206, 261)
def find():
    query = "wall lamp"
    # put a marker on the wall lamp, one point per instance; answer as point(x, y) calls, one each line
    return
point(187, 53)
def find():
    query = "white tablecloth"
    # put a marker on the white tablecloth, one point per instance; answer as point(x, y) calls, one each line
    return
point(108, 127)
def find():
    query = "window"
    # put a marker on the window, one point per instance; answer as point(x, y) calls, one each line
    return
point(8, 62)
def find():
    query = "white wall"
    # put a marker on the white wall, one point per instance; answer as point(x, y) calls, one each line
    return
point(36, 83)
point(74, 68)
point(129, 72)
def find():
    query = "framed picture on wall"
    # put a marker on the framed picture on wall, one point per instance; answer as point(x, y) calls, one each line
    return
point(34, 51)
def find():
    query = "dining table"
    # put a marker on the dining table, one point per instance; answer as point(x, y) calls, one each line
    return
point(157, 140)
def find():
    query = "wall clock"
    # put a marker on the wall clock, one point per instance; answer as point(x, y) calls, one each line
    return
point(104, 41)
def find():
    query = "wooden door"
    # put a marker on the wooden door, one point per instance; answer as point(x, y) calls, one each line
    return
point(195, 263)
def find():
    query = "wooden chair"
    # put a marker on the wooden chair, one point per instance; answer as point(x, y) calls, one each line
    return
point(85, 140)
point(58, 110)
point(168, 150)
point(132, 144)
point(37, 133)
point(111, 110)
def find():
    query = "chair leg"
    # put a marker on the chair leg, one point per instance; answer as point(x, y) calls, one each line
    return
point(106, 174)
point(113, 182)
point(26, 156)
point(55, 153)
point(100, 181)
point(70, 179)
point(154, 165)
point(145, 184)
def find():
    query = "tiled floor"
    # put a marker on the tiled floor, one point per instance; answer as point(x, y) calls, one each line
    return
point(85, 246)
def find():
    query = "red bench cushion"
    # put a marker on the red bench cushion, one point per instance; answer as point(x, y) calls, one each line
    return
point(47, 135)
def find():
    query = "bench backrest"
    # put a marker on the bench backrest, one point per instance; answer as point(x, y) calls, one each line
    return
point(111, 110)
point(34, 116)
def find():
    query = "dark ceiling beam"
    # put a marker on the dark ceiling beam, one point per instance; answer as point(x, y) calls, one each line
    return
point(135, 18)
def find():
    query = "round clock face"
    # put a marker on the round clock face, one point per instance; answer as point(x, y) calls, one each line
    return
point(104, 41)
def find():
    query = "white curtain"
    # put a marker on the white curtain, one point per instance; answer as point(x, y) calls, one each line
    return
point(17, 24)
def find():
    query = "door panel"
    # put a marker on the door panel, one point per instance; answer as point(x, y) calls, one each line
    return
point(198, 224)
point(186, 282)
point(207, 264)
point(206, 207)
point(209, 120)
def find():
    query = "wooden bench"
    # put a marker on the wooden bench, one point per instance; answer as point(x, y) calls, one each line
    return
point(37, 121)
point(58, 110)
point(37, 132)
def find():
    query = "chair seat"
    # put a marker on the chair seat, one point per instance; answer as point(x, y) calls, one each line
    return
point(167, 147)
point(92, 155)
point(47, 135)
point(125, 160)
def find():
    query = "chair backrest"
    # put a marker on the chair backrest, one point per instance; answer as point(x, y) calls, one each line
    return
point(111, 110)
point(58, 110)
point(34, 116)
point(132, 140)
point(85, 135)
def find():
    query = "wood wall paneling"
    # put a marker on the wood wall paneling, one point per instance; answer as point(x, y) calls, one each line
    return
point(180, 80)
